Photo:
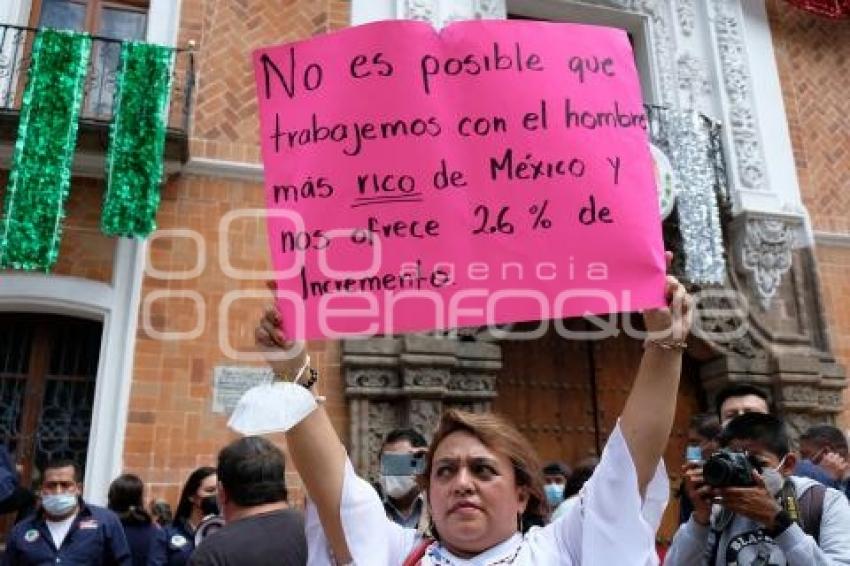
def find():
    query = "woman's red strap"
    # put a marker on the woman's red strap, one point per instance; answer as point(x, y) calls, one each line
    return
point(417, 553)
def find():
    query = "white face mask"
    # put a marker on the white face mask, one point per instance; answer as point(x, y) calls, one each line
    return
point(59, 504)
point(271, 407)
point(773, 479)
point(397, 487)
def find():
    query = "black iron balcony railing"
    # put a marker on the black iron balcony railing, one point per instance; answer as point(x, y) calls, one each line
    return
point(96, 112)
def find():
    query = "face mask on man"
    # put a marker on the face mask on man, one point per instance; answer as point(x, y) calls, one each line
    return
point(554, 493)
point(398, 486)
point(773, 480)
point(59, 504)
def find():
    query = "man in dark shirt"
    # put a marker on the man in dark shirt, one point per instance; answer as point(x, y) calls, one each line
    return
point(260, 528)
point(66, 529)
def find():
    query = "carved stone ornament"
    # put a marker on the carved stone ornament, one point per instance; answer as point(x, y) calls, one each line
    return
point(408, 381)
point(739, 92)
point(766, 254)
point(686, 10)
point(662, 31)
point(489, 9)
point(693, 74)
point(423, 10)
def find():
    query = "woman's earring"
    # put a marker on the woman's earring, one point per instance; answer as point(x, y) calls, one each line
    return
point(519, 524)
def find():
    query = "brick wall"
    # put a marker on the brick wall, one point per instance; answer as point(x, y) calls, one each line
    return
point(813, 56)
point(171, 428)
point(225, 125)
point(84, 251)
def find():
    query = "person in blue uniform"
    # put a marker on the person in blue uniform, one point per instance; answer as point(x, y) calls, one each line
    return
point(125, 500)
point(65, 529)
point(173, 545)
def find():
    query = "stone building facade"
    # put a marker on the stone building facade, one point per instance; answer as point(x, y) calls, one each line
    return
point(177, 311)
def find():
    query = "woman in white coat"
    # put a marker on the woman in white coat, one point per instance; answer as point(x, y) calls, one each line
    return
point(482, 476)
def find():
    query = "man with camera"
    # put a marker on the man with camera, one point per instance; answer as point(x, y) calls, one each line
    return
point(750, 511)
point(402, 459)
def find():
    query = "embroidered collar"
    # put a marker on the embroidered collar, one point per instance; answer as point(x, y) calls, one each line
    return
point(503, 554)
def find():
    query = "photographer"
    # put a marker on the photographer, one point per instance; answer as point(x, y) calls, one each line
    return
point(762, 515)
point(402, 459)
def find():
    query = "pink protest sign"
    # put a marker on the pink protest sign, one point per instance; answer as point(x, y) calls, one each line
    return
point(492, 172)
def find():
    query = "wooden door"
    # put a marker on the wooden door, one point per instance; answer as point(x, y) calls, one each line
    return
point(48, 367)
point(545, 389)
point(566, 396)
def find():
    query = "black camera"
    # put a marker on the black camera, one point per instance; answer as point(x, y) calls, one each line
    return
point(726, 468)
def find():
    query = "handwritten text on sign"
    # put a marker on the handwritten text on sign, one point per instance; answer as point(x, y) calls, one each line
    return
point(493, 172)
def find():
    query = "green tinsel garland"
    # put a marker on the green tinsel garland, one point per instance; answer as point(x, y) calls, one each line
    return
point(137, 140)
point(41, 166)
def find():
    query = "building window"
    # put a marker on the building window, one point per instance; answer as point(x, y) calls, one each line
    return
point(115, 19)
point(111, 20)
point(580, 13)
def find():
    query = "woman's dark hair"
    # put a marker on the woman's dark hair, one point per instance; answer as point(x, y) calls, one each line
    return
point(190, 488)
point(125, 499)
point(498, 435)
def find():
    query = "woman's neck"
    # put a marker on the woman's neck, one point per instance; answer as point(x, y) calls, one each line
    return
point(195, 518)
point(467, 554)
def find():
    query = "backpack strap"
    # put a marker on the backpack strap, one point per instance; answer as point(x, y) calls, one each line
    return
point(811, 510)
point(418, 552)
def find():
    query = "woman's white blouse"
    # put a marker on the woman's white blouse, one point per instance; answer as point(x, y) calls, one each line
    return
point(611, 525)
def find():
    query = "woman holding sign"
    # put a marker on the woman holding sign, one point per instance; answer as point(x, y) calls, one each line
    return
point(482, 475)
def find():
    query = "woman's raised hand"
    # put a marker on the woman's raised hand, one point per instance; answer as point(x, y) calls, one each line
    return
point(669, 326)
point(286, 357)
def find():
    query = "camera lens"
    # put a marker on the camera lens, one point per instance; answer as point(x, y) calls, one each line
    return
point(717, 472)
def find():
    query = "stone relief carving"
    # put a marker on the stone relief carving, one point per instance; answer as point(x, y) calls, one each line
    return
point(739, 91)
point(473, 382)
point(831, 399)
point(693, 74)
point(426, 377)
point(686, 10)
point(489, 9)
point(724, 323)
point(372, 378)
point(424, 10)
point(424, 414)
point(408, 381)
point(662, 31)
point(798, 423)
point(800, 394)
point(766, 254)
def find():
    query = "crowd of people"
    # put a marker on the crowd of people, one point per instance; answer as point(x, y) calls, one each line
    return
point(475, 493)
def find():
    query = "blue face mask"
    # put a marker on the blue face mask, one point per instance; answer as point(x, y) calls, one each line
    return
point(554, 493)
point(59, 504)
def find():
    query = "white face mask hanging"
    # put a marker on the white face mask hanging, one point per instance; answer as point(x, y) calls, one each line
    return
point(273, 407)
